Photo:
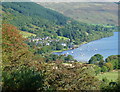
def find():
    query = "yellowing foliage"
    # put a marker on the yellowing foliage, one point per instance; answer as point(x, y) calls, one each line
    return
point(14, 50)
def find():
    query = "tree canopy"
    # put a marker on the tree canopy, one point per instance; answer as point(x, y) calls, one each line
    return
point(96, 59)
point(15, 51)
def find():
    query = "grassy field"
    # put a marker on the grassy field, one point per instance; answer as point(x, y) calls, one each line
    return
point(26, 34)
point(64, 38)
point(60, 50)
point(109, 75)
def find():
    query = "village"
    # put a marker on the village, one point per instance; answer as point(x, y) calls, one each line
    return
point(49, 41)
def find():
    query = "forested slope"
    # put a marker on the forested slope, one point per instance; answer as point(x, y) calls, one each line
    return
point(34, 18)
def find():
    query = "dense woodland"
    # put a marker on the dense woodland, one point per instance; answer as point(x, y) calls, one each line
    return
point(27, 65)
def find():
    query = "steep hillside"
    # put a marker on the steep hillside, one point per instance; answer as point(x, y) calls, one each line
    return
point(27, 13)
point(51, 27)
point(94, 13)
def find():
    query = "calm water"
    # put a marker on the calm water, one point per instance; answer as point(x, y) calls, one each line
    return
point(105, 46)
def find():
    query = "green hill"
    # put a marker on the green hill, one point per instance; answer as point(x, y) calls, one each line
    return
point(45, 23)
point(94, 13)
point(26, 34)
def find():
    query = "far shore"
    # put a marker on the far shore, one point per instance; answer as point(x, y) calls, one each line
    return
point(76, 46)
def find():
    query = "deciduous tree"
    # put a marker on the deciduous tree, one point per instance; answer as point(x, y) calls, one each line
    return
point(14, 50)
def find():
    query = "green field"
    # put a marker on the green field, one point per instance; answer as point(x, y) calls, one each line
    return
point(64, 38)
point(60, 50)
point(26, 34)
point(109, 75)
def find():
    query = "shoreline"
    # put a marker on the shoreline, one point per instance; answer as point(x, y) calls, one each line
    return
point(77, 46)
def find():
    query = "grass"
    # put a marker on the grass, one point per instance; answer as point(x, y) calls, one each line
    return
point(64, 38)
point(60, 50)
point(26, 34)
point(108, 26)
point(82, 43)
point(111, 76)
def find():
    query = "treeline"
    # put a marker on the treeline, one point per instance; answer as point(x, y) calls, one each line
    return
point(109, 64)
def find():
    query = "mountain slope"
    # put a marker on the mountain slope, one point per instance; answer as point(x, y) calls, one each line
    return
point(94, 13)
point(51, 27)
point(36, 10)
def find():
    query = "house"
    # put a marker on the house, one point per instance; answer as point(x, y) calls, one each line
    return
point(47, 44)
point(64, 44)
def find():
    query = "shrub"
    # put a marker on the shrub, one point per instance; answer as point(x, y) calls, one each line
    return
point(23, 78)
point(104, 69)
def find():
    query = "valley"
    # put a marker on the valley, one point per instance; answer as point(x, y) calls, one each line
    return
point(31, 33)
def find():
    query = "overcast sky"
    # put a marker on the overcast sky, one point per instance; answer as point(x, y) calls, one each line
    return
point(61, 0)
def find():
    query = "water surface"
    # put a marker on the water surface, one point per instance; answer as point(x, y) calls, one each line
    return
point(105, 46)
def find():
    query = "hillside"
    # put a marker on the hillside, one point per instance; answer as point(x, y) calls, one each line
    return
point(30, 33)
point(50, 26)
point(94, 13)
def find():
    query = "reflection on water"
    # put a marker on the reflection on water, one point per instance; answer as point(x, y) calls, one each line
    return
point(105, 46)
